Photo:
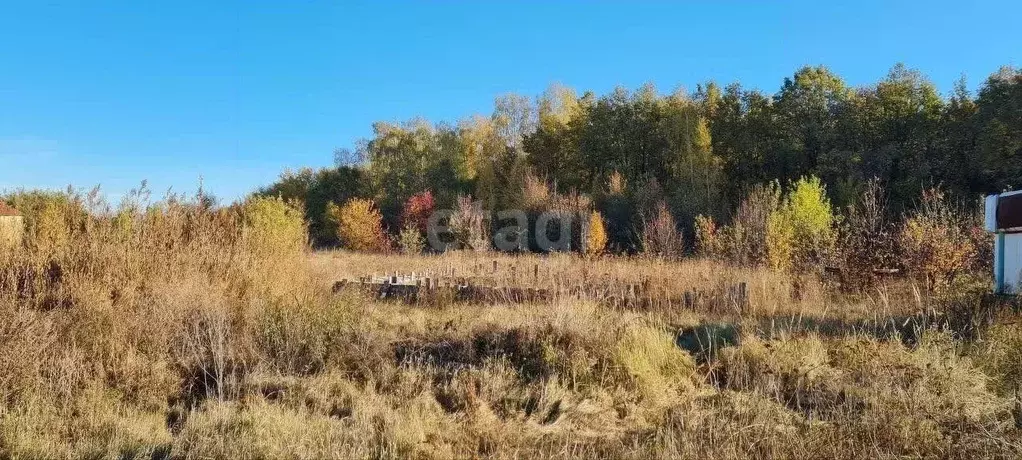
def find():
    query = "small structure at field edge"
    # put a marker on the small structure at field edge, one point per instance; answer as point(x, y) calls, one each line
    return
point(648, 294)
point(11, 226)
point(1004, 219)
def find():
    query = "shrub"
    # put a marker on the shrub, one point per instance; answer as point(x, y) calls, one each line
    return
point(275, 237)
point(469, 226)
point(274, 228)
point(744, 242)
point(868, 238)
point(800, 232)
point(708, 237)
point(416, 211)
point(618, 211)
point(936, 241)
point(315, 189)
point(563, 211)
point(648, 197)
point(983, 244)
point(780, 241)
point(572, 213)
point(410, 240)
point(616, 184)
point(595, 235)
point(360, 225)
point(331, 222)
point(660, 235)
point(536, 194)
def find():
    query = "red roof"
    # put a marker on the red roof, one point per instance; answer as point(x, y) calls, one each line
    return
point(1009, 211)
point(7, 210)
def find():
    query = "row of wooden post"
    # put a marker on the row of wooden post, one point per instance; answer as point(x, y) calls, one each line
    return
point(640, 295)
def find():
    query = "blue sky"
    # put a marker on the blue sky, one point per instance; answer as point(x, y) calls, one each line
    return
point(234, 92)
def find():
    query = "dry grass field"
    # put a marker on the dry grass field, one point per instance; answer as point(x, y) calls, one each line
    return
point(180, 331)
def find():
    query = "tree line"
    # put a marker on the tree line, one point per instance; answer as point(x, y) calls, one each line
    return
point(700, 152)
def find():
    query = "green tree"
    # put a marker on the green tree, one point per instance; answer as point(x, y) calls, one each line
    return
point(999, 143)
point(741, 135)
point(806, 121)
point(553, 149)
point(314, 189)
point(954, 164)
point(408, 158)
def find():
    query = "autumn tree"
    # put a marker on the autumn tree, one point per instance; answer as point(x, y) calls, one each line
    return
point(360, 225)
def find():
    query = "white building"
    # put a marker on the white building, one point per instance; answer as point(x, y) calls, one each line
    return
point(1004, 218)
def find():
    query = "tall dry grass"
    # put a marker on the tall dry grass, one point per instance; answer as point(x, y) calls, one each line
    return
point(137, 307)
point(179, 329)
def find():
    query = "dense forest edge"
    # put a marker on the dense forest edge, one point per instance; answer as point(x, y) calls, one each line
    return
point(701, 153)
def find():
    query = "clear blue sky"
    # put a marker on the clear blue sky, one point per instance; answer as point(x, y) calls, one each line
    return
point(113, 93)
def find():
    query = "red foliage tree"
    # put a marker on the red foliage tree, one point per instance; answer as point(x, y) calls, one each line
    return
point(417, 209)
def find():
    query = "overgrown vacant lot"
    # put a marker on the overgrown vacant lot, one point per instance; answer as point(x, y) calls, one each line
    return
point(182, 331)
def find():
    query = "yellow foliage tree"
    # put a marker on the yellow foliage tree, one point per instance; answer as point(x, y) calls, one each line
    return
point(275, 228)
point(359, 225)
point(800, 232)
point(596, 235)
